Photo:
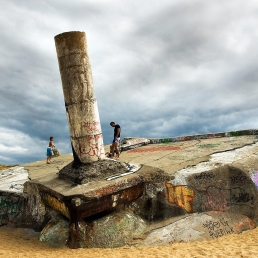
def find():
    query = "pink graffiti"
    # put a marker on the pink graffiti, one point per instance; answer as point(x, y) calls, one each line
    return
point(95, 146)
point(91, 127)
point(255, 179)
point(216, 201)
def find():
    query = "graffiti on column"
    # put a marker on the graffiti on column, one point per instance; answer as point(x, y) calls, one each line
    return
point(94, 147)
point(180, 195)
point(10, 208)
point(91, 127)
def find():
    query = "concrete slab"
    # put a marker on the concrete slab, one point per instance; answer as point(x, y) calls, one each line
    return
point(173, 156)
point(170, 156)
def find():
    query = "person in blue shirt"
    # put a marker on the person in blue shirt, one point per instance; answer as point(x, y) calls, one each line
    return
point(116, 140)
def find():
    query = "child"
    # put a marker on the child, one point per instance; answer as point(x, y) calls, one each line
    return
point(109, 154)
point(50, 148)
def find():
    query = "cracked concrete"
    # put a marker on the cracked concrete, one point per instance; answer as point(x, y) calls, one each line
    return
point(193, 153)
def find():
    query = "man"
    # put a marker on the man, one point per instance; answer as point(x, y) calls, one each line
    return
point(116, 140)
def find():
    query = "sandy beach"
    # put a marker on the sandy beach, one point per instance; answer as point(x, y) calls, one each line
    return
point(16, 242)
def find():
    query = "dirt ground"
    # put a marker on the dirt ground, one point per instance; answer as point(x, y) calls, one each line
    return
point(16, 242)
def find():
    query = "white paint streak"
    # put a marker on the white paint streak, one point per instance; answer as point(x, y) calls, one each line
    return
point(13, 179)
point(216, 160)
point(177, 231)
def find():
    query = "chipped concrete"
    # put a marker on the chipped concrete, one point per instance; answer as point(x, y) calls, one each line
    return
point(13, 179)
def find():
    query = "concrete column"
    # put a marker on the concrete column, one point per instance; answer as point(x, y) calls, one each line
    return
point(80, 102)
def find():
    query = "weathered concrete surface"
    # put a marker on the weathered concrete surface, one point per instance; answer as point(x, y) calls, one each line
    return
point(173, 156)
point(77, 202)
point(131, 143)
point(199, 175)
point(80, 102)
point(93, 171)
point(40, 169)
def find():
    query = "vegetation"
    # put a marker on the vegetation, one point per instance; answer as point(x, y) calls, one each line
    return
point(2, 167)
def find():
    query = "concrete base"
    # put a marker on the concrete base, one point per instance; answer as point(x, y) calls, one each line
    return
point(94, 171)
point(80, 202)
point(95, 196)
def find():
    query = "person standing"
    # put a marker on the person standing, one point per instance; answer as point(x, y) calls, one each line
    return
point(50, 148)
point(116, 140)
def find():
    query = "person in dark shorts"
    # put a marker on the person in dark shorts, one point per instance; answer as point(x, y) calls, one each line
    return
point(116, 140)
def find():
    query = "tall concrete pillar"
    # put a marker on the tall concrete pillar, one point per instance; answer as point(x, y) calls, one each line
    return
point(80, 102)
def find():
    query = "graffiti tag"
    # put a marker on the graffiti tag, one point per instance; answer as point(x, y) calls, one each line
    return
point(218, 228)
point(10, 208)
point(181, 196)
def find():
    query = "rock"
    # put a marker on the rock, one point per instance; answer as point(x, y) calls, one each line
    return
point(199, 226)
point(56, 232)
point(114, 230)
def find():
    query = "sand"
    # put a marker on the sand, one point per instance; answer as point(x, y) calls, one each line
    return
point(18, 243)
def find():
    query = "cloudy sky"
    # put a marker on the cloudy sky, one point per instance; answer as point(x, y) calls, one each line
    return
point(160, 68)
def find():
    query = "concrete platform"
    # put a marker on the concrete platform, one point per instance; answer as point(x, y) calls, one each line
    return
point(167, 158)
point(170, 156)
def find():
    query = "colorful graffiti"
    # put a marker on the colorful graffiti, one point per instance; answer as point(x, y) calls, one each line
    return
point(10, 208)
point(55, 204)
point(180, 195)
point(152, 149)
point(236, 133)
point(204, 136)
point(255, 178)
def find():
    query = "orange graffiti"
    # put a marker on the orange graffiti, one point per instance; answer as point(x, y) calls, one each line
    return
point(107, 190)
point(181, 196)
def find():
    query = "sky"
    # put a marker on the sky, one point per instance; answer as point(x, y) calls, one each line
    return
point(160, 69)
